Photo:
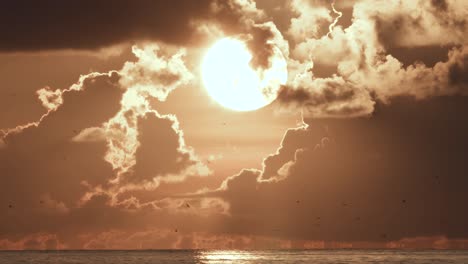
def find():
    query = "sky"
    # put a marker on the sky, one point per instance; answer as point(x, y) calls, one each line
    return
point(109, 138)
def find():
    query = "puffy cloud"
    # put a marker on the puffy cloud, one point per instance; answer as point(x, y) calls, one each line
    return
point(365, 179)
point(151, 76)
point(365, 71)
point(159, 134)
point(418, 23)
point(81, 160)
point(50, 99)
point(389, 78)
point(311, 20)
point(96, 157)
point(262, 42)
point(53, 168)
point(153, 73)
point(325, 97)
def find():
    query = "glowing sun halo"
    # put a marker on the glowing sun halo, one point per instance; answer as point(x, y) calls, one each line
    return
point(232, 82)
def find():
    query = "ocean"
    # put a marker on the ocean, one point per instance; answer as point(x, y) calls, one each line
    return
point(236, 256)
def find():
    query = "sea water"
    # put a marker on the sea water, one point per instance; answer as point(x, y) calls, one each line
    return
point(236, 256)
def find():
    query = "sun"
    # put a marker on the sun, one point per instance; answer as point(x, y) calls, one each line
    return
point(232, 82)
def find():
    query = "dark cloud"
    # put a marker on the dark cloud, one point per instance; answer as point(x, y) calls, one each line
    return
point(33, 25)
point(286, 95)
point(401, 173)
point(48, 170)
point(85, 175)
point(390, 30)
point(458, 71)
point(30, 25)
point(322, 97)
point(260, 46)
point(411, 55)
point(403, 25)
point(156, 135)
point(43, 171)
point(67, 169)
point(440, 4)
point(51, 154)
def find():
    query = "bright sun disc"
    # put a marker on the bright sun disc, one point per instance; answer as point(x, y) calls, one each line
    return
point(231, 81)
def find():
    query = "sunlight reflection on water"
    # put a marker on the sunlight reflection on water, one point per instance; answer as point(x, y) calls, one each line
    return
point(227, 256)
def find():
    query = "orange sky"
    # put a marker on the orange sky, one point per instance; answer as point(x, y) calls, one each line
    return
point(109, 138)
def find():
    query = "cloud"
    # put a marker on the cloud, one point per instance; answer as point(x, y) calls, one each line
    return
point(418, 23)
point(114, 23)
point(149, 164)
point(91, 134)
point(50, 99)
point(107, 23)
point(82, 160)
point(365, 179)
point(101, 161)
point(151, 76)
point(325, 97)
point(153, 73)
point(38, 241)
point(311, 21)
point(365, 72)
point(101, 95)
